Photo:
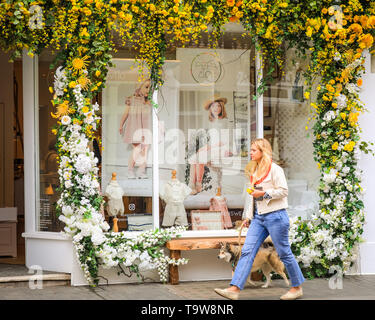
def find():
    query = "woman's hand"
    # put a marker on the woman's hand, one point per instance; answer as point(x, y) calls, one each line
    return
point(121, 130)
point(245, 223)
point(257, 193)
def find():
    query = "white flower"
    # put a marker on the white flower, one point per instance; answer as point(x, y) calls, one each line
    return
point(60, 81)
point(346, 170)
point(341, 102)
point(331, 176)
point(98, 238)
point(65, 120)
point(330, 115)
point(337, 56)
point(327, 201)
point(83, 164)
point(352, 88)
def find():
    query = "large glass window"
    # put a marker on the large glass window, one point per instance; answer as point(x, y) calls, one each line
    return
point(286, 114)
point(207, 119)
point(127, 145)
point(47, 179)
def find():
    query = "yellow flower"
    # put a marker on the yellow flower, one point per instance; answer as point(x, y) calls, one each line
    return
point(84, 33)
point(309, 31)
point(366, 41)
point(50, 89)
point(87, 11)
point(353, 117)
point(84, 82)
point(128, 17)
point(79, 64)
point(324, 10)
point(239, 14)
point(283, 5)
point(349, 146)
point(307, 95)
point(359, 82)
point(335, 146)
point(343, 115)
point(72, 84)
point(355, 27)
point(62, 110)
point(85, 109)
point(371, 22)
point(230, 3)
point(330, 88)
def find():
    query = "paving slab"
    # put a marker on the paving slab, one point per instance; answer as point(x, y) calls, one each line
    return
point(353, 288)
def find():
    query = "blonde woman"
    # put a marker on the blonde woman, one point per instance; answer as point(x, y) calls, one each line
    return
point(269, 217)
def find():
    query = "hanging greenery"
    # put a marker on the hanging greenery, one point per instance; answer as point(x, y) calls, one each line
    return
point(331, 35)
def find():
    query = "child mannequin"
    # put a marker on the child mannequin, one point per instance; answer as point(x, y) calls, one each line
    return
point(137, 120)
point(174, 193)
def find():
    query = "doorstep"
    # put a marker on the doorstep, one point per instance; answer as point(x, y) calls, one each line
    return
point(33, 280)
point(19, 276)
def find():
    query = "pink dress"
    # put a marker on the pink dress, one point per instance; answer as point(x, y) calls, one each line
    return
point(220, 204)
point(138, 124)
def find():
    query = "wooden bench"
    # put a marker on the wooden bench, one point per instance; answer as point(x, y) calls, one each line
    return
point(177, 245)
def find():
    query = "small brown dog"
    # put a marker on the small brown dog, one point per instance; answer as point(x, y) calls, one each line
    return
point(266, 260)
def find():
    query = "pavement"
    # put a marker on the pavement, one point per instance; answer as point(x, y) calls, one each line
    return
point(350, 288)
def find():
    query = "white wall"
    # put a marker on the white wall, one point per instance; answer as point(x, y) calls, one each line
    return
point(367, 164)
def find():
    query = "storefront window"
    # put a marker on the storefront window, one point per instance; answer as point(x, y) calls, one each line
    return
point(286, 114)
point(207, 118)
point(127, 143)
point(48, 179)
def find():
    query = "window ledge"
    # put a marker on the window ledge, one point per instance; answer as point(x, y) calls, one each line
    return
point(46, 236)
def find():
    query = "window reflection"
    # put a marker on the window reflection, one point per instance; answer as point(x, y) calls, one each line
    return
point(47, 189)
point(285, 121)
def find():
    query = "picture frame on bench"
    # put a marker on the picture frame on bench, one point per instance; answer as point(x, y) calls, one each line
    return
point(206, 220)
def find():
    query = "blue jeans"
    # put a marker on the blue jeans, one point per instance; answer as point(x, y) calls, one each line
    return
point(275, 224)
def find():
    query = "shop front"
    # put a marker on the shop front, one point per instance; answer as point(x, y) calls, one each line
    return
point(181, 163)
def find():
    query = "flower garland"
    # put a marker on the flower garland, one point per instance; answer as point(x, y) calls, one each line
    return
point(332, 37)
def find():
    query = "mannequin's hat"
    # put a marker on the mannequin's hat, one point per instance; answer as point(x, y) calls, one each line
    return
point(209, 102)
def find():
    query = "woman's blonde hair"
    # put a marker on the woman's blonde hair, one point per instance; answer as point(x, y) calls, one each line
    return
point(259, 170)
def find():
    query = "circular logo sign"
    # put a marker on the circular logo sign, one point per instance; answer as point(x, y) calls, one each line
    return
point(206, 68)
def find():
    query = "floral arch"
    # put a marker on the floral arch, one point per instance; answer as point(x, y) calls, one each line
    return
point(333, 34)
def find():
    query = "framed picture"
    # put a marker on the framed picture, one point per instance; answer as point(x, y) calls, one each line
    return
point(206, 220)
point(241, 105)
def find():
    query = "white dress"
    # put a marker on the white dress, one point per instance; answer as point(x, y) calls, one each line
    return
point(114, 194)
point(174, 193)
